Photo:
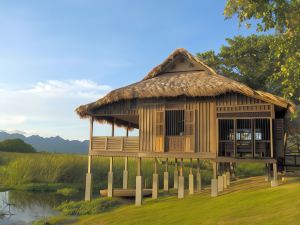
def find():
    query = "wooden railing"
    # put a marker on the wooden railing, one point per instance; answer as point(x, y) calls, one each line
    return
point(127, 144)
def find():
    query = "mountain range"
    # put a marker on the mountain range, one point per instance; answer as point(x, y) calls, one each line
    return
point(49, 144)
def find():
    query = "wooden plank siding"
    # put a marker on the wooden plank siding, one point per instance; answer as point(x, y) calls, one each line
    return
point(203, 117)
point(205, 125)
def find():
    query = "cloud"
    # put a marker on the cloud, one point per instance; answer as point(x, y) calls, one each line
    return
point(12, 119)
point(47, 107)
point(68, 88)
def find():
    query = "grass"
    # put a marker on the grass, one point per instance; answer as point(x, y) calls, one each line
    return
point(247, 201)
point(50, 172)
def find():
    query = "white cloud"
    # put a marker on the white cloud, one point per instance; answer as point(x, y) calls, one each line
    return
point(47, 107)
point(68, 88)
point(12, 119)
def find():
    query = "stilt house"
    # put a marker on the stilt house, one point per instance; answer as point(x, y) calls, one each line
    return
point(184, 110)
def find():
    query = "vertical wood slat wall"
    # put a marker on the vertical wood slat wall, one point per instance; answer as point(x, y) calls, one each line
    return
point(205, 126)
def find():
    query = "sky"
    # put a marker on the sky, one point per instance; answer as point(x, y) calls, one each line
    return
point(56, 55)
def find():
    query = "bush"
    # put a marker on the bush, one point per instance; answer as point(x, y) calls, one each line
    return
point(67, 191)
point(89, 207)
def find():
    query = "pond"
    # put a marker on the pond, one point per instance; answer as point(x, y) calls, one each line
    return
point(22, 208)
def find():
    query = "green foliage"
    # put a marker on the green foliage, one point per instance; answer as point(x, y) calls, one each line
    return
point(16, 145)
point(250, 60)
point(250, 169)
point(67, 191)
point(284, 17)
point(89, 207)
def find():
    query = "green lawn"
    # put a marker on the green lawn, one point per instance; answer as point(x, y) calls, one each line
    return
point(247, 201)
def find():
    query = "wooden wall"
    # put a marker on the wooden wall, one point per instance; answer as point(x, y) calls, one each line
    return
point(205, 125)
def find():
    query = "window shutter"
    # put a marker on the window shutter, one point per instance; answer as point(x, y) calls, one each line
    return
point(189, 130)
point(159, 131)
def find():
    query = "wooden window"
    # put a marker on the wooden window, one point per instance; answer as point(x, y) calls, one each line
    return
point(174, 122)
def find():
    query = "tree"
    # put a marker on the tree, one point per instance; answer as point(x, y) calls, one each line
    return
point(282, 16)
point(16, 145)
point(250, 60)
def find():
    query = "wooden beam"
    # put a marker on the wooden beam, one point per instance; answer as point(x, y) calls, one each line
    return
point(139, 166)
point(113, 129)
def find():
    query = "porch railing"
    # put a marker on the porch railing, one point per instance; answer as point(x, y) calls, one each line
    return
point(128, 144)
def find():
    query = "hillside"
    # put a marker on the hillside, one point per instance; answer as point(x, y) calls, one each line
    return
point(49, 144)
point(16, 145)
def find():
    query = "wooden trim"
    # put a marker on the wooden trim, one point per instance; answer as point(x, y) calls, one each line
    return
point(200, 155)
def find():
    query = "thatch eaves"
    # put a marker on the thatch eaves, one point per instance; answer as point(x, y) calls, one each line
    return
point(164, 81)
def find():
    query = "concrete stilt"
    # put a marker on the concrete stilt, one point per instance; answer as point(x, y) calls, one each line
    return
point(155, 181)
point(274, 182)
point(166, 177)
point(181, 181)
point(224, 180)
point(267, 172)
point(198, 177)
point(88, 187)
point(155, 186)
point(214, 187)
point(191, 178)
point(139, 184)
point(175, 179)
point(220, 183)
point(110, 180)
point(228, 178)
point(125, 174)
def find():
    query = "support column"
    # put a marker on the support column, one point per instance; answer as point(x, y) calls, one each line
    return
point(166, 177)
point(274, 182)
point(214, 187)
point(267, 173)
point(224, 180)
point(155, 181)
point(191, 178)
point(175, 175)
point(139, 184)
point(89, 175)
point(125, 174)
point(181, 181)
point(228, 178)
point(110, 178)
point(220, 183)
point(215, 169)
point(198, 177)
point(89, 181)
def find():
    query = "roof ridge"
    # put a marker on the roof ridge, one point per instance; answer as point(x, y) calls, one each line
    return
point(156, 71)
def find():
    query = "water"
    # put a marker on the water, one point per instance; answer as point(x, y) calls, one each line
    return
point(22, 208)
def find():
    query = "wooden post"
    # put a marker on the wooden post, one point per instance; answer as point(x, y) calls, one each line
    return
point(191, 178)
point(155, 181)
point(113, 129)
point(181, 181)
point(215, 169)
point(89, 175)
point(198, 177)
point(125, 173)
point(110, 178)
point(234, 138)
point(166, 176)
point(175, 178)
point(139, 183)
point(271, 137)
point(127, 131)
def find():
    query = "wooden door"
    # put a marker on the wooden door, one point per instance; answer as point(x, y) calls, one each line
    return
point(160, 131)
point(189, 130)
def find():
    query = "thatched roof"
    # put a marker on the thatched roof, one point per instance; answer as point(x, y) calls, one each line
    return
point(198, 80)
